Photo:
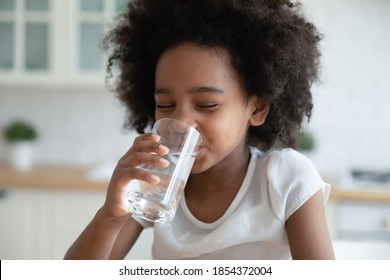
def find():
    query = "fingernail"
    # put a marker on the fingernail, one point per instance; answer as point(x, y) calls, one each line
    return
point(163, 148)
point(154, 178)
point(164, 161)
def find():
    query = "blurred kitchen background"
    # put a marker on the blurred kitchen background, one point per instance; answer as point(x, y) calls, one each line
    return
point(52, 78)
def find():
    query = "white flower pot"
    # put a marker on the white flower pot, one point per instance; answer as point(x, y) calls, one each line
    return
point(21, 154)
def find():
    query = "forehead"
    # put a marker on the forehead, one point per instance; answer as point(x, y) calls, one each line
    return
point(192, 63)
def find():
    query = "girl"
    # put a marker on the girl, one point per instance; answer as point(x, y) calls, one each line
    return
point(239, 72)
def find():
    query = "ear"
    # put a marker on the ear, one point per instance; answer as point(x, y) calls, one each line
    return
point(260, 109)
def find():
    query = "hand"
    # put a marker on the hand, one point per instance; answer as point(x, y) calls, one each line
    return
point(146, 149)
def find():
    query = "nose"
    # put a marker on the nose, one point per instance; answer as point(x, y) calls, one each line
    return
point(185, 115)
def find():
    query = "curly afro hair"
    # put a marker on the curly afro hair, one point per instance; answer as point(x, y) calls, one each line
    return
point(273, 48)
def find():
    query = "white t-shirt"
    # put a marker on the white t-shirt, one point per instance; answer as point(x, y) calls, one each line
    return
point(276, 184)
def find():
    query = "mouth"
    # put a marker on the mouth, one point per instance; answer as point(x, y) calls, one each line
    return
point(200, 148)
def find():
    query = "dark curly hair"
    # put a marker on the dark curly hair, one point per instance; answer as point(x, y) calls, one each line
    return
point(273, 48)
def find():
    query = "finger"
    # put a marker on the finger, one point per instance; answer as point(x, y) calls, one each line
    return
point(123, 176)
point(136, 159)
point(147, 143)
point(118, 187)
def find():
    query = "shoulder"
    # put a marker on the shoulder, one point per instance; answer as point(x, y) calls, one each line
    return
point(285, 162)
point(291, 180)
point(287, 156)
point(284, 169)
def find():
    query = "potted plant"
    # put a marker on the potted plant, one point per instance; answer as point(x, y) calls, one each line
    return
point(305, 141)
point(20, 136)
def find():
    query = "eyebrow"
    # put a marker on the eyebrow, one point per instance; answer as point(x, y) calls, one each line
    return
point(200, 89)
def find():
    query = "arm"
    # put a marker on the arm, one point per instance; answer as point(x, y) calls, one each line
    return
point(307, 231)
point(112, 232)
point(126, 239)
point(105, 238)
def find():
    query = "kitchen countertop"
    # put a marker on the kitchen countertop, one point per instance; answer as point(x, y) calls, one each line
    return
point(79, 178)
point(362, 194)
point(51, 177)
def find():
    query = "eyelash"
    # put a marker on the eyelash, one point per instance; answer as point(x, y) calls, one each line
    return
point(207, 106)
point(164, 106)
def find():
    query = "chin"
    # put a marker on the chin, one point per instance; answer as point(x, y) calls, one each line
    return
point(196, 168)
point(199, 165)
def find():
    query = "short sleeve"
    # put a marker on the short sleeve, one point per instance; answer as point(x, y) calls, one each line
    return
point(292, 180)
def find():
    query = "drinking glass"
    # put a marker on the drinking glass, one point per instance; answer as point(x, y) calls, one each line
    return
point(158, 202)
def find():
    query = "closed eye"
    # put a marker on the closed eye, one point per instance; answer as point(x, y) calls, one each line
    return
point(208, 105)
point(160, 106)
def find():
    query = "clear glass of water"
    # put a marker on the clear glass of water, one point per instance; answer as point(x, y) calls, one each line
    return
point(158, 202)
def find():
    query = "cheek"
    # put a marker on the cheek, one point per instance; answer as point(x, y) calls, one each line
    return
point(231, 136)
point(220, 129)
point(220, 138)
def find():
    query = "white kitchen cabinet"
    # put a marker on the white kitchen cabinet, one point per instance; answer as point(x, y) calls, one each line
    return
point(54, 42)
point(25, 28)
point(72, 211)
point(22, 223)
point(42, 224)
point(359, 214)
point(364, 221)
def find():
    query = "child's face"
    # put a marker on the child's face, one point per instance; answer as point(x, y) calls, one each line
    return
point(199, 86)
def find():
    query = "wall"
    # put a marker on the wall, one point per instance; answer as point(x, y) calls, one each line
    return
point(75, 126)
point(351, 113)
point(350, 119)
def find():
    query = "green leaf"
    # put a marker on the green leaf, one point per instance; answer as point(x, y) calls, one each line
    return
point(20, 131)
